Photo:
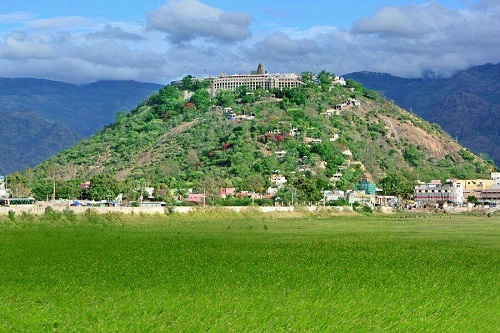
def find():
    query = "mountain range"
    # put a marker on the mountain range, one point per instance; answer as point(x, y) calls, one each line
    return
point(466, 105)
point(41, 117)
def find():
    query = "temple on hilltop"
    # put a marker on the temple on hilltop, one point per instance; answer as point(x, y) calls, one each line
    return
point(260, 70)
point(259, 78)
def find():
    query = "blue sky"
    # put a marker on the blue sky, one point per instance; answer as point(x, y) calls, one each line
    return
point(162, 40)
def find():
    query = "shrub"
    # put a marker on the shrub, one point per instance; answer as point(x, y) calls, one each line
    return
point(12, 215)
point(25, 216)
point(50, 214)
point(69, 215)
point(91, 216)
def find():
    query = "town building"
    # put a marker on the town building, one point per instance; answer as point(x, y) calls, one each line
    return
point(197, 198)
point(435, 192)
point(333, 195)
point(226, 191)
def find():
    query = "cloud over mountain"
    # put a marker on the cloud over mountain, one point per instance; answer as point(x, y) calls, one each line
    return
point(190, 37)
point(184, 20)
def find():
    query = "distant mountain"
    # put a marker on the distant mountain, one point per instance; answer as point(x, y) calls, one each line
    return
point(466, 105)
point(28, 139)
point(73, 112)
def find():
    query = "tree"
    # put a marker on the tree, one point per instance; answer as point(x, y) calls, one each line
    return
point(226, 98)
point(472, 199)
point(69, 189)
point(210, 186)
point(399, 183)
point(187, 82)
point(201, 99)
point(307, 187)
point(413, 155)
point(325, 80)
point(307, 78)
point(103, 186)
point(257, 183)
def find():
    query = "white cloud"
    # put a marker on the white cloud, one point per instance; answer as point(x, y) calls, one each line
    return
point(60, 23)
point(113, 33)
point(185, 20)
point(16, 17)
point(202, 40)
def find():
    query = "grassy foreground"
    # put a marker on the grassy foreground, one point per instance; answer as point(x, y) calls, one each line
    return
point(250, 273)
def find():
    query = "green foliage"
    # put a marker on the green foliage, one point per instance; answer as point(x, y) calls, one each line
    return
point(51, 215)
point(472, 199)
point(201, 99)
point(103, 186)
point(413, 155)
point(226, 98)
point(466, 154)
point(69, 215)
point(399, 183)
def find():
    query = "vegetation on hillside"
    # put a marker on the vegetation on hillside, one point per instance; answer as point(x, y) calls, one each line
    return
point(182, 138)
point(466, 105)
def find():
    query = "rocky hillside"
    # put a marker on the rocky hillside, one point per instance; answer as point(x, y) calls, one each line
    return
point(239, 139)
point(466, 105)
point(74, 112)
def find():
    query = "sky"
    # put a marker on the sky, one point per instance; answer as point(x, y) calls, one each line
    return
point(163, 40)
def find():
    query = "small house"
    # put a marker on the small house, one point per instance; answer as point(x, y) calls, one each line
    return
point(225, 191)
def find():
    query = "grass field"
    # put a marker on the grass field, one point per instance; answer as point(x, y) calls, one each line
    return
point(250, 273)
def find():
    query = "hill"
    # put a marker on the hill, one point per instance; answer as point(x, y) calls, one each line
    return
point(466, 105)
point(78, 112)
point(318, 136)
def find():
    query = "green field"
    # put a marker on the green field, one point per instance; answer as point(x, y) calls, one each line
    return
point(250, 273)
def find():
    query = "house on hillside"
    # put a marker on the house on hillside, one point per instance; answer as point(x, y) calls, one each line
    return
point(277, 180)
point(336, 177)
point(280, 154)
point(335, 137)
point(225, 191)
point(312, 140)
point(347, 153)
point(197, 198)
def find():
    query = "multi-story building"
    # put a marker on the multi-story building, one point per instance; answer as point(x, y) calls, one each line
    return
point(259, 78)
point(434, 192)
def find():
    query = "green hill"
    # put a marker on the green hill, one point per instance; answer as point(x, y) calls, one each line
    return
point(179, 139)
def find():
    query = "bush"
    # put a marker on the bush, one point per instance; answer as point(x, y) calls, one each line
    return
point(69, 215)
point(367, 210)
point(25, 216)
point(92, 216)
point(50, 214)
point(12, 215)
